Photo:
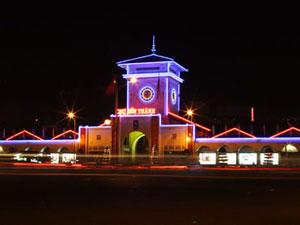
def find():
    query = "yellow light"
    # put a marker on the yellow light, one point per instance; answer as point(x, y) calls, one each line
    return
point(188, 139)
point(107, 122)
point(190, 112)
point(133, 80)
point(71, 115)
point(289, 148)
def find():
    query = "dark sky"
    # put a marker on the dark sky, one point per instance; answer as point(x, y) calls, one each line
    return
point(54, 57)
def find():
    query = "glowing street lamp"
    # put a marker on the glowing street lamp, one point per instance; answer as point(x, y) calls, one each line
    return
point(133, 80)
point(71, 115)
point(107, 122)
point(190, 113)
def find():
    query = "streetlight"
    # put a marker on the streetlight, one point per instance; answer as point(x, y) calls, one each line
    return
point(133, 80)
point(190, 113)
point(71, 115)
point(107, 122)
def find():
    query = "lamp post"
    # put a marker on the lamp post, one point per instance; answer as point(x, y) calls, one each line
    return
point(71, 115)
point(190, 114)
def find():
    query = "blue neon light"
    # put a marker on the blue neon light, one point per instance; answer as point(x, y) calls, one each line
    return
point(147, 94)
point(248, 140)
point(147, 75)
point(173, 96)
point(38, 142)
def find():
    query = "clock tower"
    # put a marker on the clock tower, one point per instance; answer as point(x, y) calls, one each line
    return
point(153, 82)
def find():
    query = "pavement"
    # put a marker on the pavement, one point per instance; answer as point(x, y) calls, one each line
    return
point(85, 195)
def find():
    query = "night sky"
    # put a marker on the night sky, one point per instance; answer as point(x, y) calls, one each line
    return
point(59, 57)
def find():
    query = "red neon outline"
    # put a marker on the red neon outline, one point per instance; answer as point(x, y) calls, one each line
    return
point(63, 133)
point(234, 129)
point(168, 167)
point(26, 132)
point(103, 124)
point(285, 131)
point(188, 121)
point(48, 164)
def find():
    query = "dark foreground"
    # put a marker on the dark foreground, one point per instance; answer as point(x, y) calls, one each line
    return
point(56, 196)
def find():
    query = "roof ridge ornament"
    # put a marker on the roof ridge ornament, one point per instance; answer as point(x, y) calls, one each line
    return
point(153, 50)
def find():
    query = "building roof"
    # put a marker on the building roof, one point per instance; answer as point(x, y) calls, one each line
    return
point(146, 58)
point(151, 58)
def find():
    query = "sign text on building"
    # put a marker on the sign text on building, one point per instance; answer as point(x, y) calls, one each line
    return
point(133, 111)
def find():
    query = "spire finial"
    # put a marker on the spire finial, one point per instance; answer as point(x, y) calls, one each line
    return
point(153, 45)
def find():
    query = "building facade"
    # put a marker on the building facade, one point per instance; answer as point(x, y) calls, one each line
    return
point(150, 123)
point(151, 118)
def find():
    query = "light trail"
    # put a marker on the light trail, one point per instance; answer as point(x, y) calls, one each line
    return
point(150, 175)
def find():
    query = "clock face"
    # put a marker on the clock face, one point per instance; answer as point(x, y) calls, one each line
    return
point(147, 94)
point(173, 96)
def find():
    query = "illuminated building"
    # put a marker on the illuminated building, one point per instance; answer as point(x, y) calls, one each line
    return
point(151, 122)
point(151, 117)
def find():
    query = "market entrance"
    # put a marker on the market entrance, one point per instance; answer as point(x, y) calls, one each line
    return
point(135, 143)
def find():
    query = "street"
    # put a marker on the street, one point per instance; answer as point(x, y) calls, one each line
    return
point(105, 196)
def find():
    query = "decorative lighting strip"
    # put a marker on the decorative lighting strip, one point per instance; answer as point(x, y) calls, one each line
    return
point(285, 131)
point(188, 121)
point(64, 133)
point(147, 75)
point(26, 132)
point(248, 140)
point(234, 129)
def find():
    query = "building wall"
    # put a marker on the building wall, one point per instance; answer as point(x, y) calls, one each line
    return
point(98, 138)
point(173, 138)
point(256, 144)
point(136, 123)
point(159, 99)
point(37, 145)
point(173, 84)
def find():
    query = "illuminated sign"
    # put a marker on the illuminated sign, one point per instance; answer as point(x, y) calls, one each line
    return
point(54, 157)
point(69, 158)
point(269, 158)
point(207, 158)
point(227, 158)
point(248, 158)
point(134, 111)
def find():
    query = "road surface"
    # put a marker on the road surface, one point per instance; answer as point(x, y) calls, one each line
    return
point(105, 196)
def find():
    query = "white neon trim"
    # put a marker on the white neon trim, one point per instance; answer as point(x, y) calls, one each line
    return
point(174, 125)
point(47, 141)
point(147, 75)
point(127, 97)
point(248, 140)
point(178, 98)
point(127, 61)
point(166, 97)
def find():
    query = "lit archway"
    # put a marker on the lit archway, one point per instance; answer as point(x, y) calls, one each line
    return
point(225, 155)
point(135, 143)
point(289, 148)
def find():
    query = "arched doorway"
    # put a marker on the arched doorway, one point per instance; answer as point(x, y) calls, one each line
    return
point(226, 156)
point(247, 156)
point(135, 143)
point(289, 148)
point(290, 154)
point(268, 156)
point(206, 156)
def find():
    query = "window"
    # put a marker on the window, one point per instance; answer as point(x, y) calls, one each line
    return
point(174, 136)
point(98, 136)
point(178, 147)
point(135, 124)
